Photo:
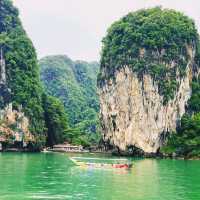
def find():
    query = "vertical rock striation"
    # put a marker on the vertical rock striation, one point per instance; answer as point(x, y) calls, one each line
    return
point(14, 125)
point(140, 106)
point(133, 114)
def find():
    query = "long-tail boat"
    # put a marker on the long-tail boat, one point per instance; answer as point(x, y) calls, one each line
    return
point(101, 163)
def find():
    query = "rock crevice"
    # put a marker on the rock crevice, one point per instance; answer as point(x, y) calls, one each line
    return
point(133, 112)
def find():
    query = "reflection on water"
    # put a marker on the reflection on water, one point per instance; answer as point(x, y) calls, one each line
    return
point(53, 176)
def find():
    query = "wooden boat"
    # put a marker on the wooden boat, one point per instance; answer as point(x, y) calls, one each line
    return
point(101, 163)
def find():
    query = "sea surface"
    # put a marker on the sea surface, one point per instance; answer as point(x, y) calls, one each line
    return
point(47, 176)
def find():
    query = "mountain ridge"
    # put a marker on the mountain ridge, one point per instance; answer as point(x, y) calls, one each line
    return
point(74, 83)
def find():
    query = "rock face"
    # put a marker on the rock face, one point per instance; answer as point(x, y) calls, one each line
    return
point(2, 68)
point(145, 78)
point(14, 126)
point(133, 114)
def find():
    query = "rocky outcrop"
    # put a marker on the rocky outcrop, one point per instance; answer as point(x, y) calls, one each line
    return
point(14, 126)
point(2, 68)
point(148, 61)
point(133, 112)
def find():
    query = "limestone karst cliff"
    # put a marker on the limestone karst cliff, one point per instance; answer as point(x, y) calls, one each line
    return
point(147, 66)
point(28, 116)
point(21, 111)
point(14, 125)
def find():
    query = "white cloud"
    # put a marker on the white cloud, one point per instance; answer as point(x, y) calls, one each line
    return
point(76, 27)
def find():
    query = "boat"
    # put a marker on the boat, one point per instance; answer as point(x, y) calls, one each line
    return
point(86, 162)
point(46, 150)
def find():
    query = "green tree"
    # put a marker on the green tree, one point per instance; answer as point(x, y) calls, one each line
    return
point(162, 34)
point(22, 70)
point(46, 114)
point(186, 141)
point(74, 83)
point(56, 120)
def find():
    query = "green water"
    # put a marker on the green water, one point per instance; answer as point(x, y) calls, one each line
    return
point(53, 176)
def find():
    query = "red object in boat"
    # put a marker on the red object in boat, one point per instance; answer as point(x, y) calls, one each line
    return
point(101, 165)
point(121, 166)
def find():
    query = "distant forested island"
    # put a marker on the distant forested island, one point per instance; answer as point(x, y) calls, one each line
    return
point(75, 84)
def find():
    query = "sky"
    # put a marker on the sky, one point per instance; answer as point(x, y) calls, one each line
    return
point(76, 27)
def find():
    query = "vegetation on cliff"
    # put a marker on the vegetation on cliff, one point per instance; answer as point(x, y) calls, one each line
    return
point(56, 120)
point(185, 142)
point(161, 43)
point(22, 70)
point(74, 83)
point(22, 74)
point(153, 41)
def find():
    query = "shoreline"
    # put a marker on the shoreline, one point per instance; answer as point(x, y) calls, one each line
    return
point(15, 150)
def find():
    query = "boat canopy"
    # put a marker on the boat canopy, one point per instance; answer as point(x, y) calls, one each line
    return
point(107, 163)
point(87, 158)
point(100, 160)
